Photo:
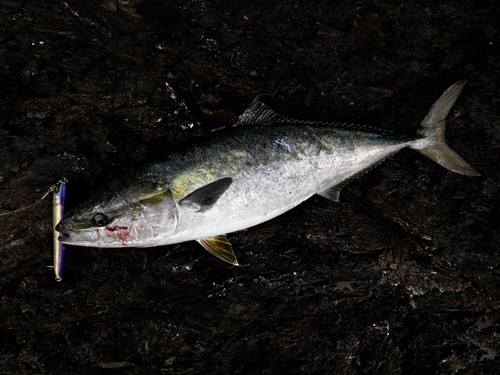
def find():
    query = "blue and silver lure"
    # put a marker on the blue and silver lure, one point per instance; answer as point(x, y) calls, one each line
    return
point(58, 208)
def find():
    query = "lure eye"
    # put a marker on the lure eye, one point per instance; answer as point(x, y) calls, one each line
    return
point(100, 220)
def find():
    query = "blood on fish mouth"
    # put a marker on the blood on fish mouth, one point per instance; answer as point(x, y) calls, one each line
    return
point(115, 228)
point(118, 233)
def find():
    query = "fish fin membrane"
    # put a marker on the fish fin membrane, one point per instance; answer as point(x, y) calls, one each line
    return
point(333, 192)
point(205, 197)
point(259, 113)
point(446, 157)
point(433, 129)
point(220, 247)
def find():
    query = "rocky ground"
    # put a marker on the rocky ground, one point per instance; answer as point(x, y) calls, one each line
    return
point(402, 276)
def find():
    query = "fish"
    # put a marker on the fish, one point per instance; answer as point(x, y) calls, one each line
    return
point(243, 175)
point(58, 210)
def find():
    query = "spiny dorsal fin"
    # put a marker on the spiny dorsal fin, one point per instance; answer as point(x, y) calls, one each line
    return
point(259, 113)
point(220, 247)
point(205, 197)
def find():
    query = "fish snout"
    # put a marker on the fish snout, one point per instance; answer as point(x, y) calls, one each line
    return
point(62, 227)
point(66, 225)
point(65, 231)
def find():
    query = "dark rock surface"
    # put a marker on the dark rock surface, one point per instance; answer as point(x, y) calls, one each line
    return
point(401, 277)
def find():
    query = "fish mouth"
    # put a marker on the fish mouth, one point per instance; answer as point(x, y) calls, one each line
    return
point(70, 237)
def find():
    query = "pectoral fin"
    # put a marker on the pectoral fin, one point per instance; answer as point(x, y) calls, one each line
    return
point(220, 247)
point(205, 197)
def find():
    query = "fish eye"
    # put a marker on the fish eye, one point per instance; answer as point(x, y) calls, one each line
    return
point(100, 220)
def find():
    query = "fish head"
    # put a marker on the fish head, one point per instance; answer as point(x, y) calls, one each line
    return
point(131, 212)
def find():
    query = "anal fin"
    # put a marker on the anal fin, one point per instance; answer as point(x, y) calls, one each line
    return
point(333, 192)
point(220, 247)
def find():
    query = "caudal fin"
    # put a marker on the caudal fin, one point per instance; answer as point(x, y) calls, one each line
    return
point(433, 129)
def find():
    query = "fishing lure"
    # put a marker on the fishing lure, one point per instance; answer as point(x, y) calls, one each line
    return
point(58, 208)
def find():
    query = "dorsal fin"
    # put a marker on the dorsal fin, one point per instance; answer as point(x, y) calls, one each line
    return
point(259, 113)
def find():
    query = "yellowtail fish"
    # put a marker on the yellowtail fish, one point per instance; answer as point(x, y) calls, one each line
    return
point(58, 208)
point(242, 176)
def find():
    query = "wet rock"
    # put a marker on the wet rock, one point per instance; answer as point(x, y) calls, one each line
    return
point(401, 276)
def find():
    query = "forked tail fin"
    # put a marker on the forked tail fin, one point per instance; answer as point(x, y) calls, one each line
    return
point(433, 129)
